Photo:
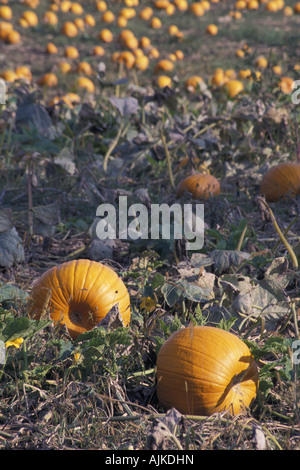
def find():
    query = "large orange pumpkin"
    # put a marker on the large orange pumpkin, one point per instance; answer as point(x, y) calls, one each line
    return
point(79, 294)
point(202, 370)
point(200, 186)
point(281, 181)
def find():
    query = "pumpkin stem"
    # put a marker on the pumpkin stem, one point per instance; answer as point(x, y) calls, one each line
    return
point(282, 237)
point(297, 141)
point(113, 145)
point(168, 158)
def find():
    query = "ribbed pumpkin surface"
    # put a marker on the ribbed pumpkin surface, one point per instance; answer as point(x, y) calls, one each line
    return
point(200, 185)
point(202, 370)
point(281, 180)
point(79, 294)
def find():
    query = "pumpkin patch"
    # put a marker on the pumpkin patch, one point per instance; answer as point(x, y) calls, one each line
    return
point(149, 226)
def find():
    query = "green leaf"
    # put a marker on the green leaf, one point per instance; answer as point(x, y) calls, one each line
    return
point(185, 289)
point(22, 327)
point(157, 281)
point(11, 293)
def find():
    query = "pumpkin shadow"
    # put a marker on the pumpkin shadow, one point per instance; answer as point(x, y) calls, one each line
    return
point(250, 373)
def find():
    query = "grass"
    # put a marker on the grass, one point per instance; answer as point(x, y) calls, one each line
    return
point(100, 392)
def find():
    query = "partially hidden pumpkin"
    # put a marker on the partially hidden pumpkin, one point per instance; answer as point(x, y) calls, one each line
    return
point(199, 185)
point(78, 294)
point(203, 370)
point(281, 181)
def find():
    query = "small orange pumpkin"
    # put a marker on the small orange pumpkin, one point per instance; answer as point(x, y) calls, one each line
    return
point(164, 81)
point(79, 294)
point(233, 87)
point(203, 370)
point(197, 9)
point(13, 37)
point(106, 35)
point(212, 29)
point(146, 13)
point(31, 17)
point(6, 12)
point(164, 65)
point(69, 29)
point(48, 80)
point(86, 84)
point(281, 181)
point(200, 186)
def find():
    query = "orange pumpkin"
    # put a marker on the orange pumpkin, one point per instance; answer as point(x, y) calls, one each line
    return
point(212, 29)
point(193, 82)
point(79, 294)
point(164, 81)
point(202, 370)
point(6, 12)
point(71, 52)
point(197, 9)
point(85, 68)
point(106, 35)
point(200, 186)
point(86, 84)
point(31, 17)
point(141, 63)
point(13, 37)
point(146, 13)
point(5, 28)
point(108, 17)
point(164, 65)
point(281, 181)
point(24, 73)
point(233, 87)
point(69, 29)
point(48, 80)
point(90, 20)
point(98, 50)
point(286, 85)
point(50, 17)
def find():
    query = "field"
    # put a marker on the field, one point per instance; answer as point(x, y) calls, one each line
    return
point(168, 102)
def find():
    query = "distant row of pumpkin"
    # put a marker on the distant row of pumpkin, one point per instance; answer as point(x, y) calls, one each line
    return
point(139, 51)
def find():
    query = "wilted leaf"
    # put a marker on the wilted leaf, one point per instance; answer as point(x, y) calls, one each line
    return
point(31, 113)
point(163, 429)
point(198, 277)
point(65, 159)
point(11, 293)
point(125, 106)
point(45, 219)
point(171, 293)
point(235, 283)
point(225, 259)
point(102, 249)
point(5, 220)
point(279, 272)
point(113, 319)
point(259, 438)
point(35, 115)
point(120, 81)
point(187, 290)
point(11, 248)
point(262, 301)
